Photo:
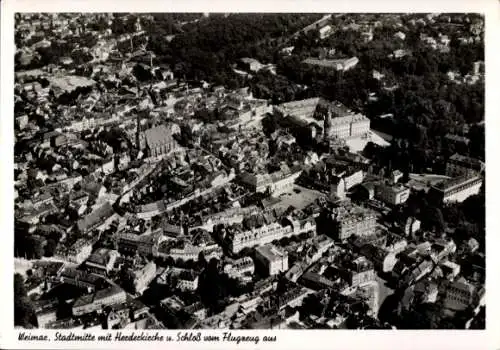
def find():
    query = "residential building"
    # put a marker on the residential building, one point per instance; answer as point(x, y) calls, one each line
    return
point(188, 252)
point(296, 271)
point(392, 194)
point(400, 53)
point(79, 251)
point(472, 245)
point(367, 191)
point(102, 261)
point(478, 67)
point(197, 309)
point(275, 183)
point(80, 279)
point(412, 226)
point(251, 63)
point(240, 268)
point(145, 244)
point(457, 140)
point(367, 36)
point(352, 221)
point(382, 259)
point(340, 64)
point(99, 217)
point(325, 31)
point(22, 121)
point(459, 165)
point(293, 297)
point(187, 280)
point(396, 175)
point(400, 35)
point(267, 233)
point(337, 188)
point(450, 269)
point(353, 178)
point(172, 304)
point(462, 294)
point(143, 277)
point(46, 312)
point(97, 301)
point(358, 272)
point(272, 259)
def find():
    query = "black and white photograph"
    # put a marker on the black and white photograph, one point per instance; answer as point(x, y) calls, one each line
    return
point(236, 177)
point(249, 171)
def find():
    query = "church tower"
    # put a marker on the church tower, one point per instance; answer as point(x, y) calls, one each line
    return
point(138, 132)
point(327, 124)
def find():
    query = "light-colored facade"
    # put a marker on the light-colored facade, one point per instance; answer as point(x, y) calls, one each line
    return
point(342, 123)
point(98, 300)
point(80, 251)
point(462, 294)
point(458, 189)
point(353, 179)
point(354, 222)
point(343, 64)
point(362, 272)
point(188, 282)
point(276, 183)
point(45, 318)
point(412, 225)
point(337, 189)
point(392, 194)
point(325, 31)
point(240, 267)
point(268, 233)
point(272, 259)
point(144, 276)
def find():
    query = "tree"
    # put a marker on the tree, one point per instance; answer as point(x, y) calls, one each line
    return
point(436, 219)
point(23, 309)
point(474, 209)
point(212, 286)
point(50, 247)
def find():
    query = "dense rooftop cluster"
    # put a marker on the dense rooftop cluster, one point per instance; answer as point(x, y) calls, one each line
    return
point(152, 191)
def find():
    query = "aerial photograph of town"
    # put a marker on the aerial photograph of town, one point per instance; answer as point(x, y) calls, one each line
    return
point(249, 171)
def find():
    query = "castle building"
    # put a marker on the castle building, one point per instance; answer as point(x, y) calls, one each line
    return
point(456, 189)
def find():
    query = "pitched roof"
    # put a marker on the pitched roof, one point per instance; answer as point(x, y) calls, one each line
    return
point(158, 136)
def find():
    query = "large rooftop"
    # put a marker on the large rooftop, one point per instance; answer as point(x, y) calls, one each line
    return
point(270, 252)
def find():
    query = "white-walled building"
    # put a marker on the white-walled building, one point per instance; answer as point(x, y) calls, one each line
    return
point(272, 259)
point(240, 267)
point(392, 194)
point(457, 189)
point(144, 276)
point(187, 281)
point(462, 294)
point(353, 179)
point(268, 233)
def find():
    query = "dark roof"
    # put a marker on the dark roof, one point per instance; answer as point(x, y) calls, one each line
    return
point(100, 257)
point(97, 216)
